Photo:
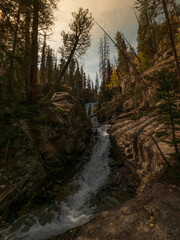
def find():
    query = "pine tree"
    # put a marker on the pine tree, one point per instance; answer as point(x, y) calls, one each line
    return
point(43, 63)
point(123, 66)
point(169, 114)
point(147, 47)
point(171, 36)
point(97, 84)
point(78, 81)
point(104, 54)
point(71, 72)
point(89, 82)
point(50, 65)
point(75, 42)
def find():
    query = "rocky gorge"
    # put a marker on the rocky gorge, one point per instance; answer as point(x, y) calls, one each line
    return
point(43, 151)
point(138, 166)
point(38, 146)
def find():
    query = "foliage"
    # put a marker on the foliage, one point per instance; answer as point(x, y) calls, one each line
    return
point(153, 37)
point(169, 113)
point(79, 37)
point(114, 79)
point(16, 43)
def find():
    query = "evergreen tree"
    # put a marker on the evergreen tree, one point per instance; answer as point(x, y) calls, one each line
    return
point(43, 62)
point(123, 66)
point(168, 110)
point(50, 65)
point(104, 54)
point(147, 47)
point(89, 82)
point(75, 42)
point(78, 81)
point(171, 36)
point(71, 72)
point(97, 84)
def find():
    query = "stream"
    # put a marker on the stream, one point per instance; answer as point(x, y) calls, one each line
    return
point(78, 208)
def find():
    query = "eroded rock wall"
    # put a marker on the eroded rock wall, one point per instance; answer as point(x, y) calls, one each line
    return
point(40, 147)
point(134, 146)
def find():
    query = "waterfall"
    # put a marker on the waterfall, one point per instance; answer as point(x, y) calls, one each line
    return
point(76, 209)
point(89, 107)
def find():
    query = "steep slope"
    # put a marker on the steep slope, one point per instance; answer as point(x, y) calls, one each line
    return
point(41, 145)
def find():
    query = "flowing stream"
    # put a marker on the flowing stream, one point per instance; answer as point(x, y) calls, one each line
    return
point(77, 208)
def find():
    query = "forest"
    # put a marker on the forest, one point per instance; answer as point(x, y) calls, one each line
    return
point(84, 158)
point(29, 67)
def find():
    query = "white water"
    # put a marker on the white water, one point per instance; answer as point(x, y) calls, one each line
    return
point(75, 209)
point(89, 111)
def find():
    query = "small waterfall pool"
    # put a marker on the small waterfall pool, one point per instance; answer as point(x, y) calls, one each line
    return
point(77, 208)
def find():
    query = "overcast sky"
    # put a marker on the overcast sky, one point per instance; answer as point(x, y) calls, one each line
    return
point(112, 15)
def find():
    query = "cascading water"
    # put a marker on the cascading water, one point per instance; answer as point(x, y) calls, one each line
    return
point(76, 209)
point(90, 112)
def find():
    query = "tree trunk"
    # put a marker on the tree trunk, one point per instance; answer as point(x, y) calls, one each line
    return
point(43, 70)
point(34, 55)
point(172, 40)
point(11, 67)
point(27, 53)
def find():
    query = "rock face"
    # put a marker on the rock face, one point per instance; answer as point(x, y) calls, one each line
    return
point(133, 142)
point(154, 213)
point(40, 147)
point(149, 216)
point(139, 165)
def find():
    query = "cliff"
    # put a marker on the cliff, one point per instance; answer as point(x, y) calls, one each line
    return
point(39, 145)
point(138, 166)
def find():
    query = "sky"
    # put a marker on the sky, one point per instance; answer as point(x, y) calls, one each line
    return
point(112, 15)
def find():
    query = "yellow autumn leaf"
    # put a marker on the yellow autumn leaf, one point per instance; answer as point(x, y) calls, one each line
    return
point(111, 224)
point(151, 225)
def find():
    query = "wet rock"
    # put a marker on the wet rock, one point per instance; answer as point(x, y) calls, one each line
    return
point(40, 148)
point(153, 215)
point(114, 164)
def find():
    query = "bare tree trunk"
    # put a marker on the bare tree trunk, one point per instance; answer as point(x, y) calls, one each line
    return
point(172, 40)
point(34, 55)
